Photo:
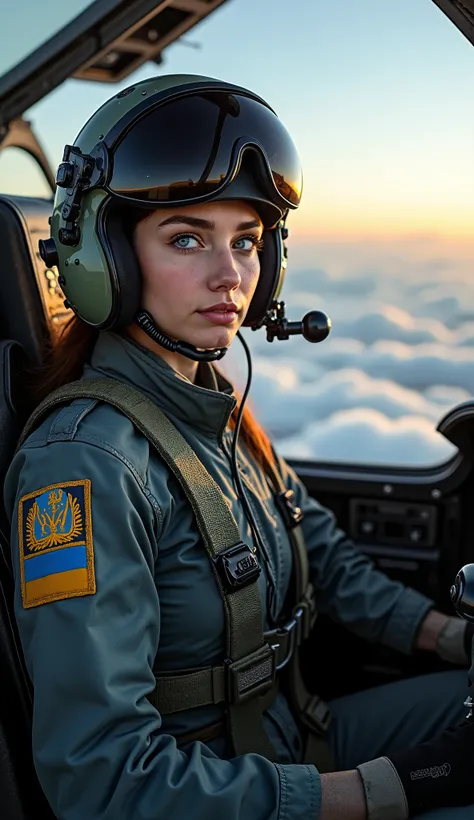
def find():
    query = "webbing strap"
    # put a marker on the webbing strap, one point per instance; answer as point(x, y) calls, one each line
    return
point(310, 709)
point(186, 689)
point(200, 687)
point(250, 668)
point(298, 546)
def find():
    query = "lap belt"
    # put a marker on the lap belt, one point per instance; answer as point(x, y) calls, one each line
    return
point(246, 682)
point(251, 676)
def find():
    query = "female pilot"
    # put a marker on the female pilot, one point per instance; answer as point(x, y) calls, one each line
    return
point(153, 624)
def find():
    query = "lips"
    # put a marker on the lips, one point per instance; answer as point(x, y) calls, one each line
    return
point(221, 307)
point(223, 313)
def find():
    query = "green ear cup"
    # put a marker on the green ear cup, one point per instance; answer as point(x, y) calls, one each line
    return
point(86, 280)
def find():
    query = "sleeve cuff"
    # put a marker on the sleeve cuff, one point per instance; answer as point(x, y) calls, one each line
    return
point(451, 643)
point(384, 793)
point(405, 620)
point(300, 792)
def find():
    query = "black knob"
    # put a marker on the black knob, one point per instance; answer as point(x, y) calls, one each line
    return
point(65, 175)
point(462, 592)
point(48, 252)
point(316, 326)
point(69, 236)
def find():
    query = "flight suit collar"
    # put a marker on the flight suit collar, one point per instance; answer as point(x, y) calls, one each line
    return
point(206, 406)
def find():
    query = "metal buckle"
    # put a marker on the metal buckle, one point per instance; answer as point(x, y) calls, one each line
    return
point(291, 513)
point(317, 715)
point(250, 676)
point(287, 629)
point(298, 630)
point(291, 633)
point(238, 567)
point(308, 605)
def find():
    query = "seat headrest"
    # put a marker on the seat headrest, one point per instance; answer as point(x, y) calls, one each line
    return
point(31, 301)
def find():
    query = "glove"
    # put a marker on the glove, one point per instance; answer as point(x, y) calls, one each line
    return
point(439, 773)
point(436, 774)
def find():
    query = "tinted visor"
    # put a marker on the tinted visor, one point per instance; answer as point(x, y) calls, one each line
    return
point(188, 148)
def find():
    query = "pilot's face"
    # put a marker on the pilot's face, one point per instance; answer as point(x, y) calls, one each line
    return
point(200, 269)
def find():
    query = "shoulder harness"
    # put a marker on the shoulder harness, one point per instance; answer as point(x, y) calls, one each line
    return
point(257, 663)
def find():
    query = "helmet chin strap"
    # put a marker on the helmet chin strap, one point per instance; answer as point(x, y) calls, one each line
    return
point(147, 324)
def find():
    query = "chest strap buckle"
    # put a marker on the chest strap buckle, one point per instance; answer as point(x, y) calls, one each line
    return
point(237, 567)
point(250, 676)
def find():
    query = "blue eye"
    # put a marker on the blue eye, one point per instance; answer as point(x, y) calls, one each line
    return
point(252, 242)
point(184, 241)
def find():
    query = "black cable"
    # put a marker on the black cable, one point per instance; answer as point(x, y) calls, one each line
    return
point(239, 488)
point(146, 322)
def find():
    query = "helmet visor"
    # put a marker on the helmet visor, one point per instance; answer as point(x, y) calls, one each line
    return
point(189, 148)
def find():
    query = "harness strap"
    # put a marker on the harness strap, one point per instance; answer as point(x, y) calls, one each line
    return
point(311, 711)
point(250, 665)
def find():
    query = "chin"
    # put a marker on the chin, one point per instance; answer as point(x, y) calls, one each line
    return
point(220, 337)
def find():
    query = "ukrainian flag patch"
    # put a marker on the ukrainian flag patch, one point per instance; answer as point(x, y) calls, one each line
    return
point(56, 549)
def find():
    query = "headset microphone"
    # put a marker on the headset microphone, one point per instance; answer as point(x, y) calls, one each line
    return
point(315, 326)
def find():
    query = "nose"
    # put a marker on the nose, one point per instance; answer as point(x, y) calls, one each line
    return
point(224, 275)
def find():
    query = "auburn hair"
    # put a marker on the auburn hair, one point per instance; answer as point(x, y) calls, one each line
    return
point(72, 348)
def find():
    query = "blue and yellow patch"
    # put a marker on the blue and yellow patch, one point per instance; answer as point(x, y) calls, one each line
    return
point(56, 550)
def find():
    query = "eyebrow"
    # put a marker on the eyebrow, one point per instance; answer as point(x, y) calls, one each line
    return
point(205, 224)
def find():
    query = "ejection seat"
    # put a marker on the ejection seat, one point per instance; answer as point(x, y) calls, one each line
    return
point(31, 304)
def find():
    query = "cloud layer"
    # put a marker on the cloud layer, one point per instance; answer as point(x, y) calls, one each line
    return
point(400, 355)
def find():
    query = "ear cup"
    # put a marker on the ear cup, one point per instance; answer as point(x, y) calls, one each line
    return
point(122, 264)
point(271, 277)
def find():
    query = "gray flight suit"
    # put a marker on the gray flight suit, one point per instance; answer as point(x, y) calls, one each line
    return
point(149, 604)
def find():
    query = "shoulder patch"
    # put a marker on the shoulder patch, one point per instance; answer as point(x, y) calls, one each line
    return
point(55, 538)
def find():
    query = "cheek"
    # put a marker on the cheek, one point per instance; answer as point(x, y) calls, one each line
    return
point(168, 283)
point(250, 276)
point(154, 278)
point(153, 263)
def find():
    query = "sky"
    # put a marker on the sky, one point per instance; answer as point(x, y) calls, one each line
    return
point(376, 94)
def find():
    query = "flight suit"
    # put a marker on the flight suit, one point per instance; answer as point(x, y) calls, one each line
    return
point(114, 586)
